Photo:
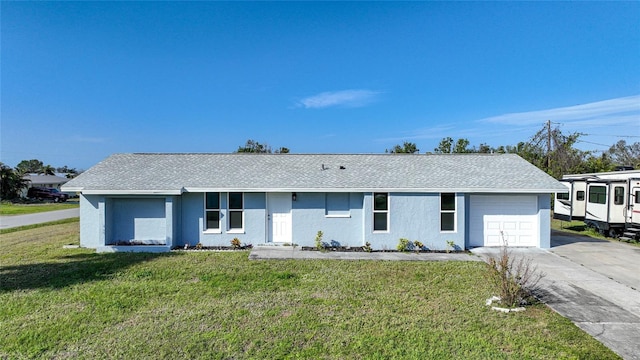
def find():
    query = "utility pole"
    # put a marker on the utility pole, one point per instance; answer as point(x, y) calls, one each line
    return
point(548, 144)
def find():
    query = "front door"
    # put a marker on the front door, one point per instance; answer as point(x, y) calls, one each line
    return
point(279, 217)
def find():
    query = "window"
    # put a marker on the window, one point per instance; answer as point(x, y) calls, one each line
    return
point(597, 194)
point(236, 210)
point(618, 195)
point(212, 211)
point(563, 196)
point(637, 200)
point(447, 212)
point(337, 205)
point(380, 212)
point(580, 195)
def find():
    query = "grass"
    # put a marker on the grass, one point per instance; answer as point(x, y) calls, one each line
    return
point(7, 208)
point(74, 303)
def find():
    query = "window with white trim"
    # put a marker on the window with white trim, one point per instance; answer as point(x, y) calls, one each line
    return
point(212, 211)
point(235, 211)
point(447, 212)
point(380, 211)
point(337, 205)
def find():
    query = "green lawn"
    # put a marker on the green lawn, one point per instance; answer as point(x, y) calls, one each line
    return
point(7, 208)
point(64, 304)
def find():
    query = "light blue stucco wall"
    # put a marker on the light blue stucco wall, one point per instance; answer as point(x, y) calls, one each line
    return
point(193, 221)
point(415, 216)
point(309, 216)
point(107, 220)
point(92, 229)
point(180, 219)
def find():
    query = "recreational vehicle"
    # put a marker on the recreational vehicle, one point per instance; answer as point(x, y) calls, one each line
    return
point(605, 201)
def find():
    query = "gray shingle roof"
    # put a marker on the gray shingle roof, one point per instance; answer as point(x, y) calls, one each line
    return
point(174, 173)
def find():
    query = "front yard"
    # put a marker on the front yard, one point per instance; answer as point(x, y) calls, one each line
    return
point(59, 303)
point(7, 208)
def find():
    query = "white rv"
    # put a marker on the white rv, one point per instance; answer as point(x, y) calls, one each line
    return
point(605, 201)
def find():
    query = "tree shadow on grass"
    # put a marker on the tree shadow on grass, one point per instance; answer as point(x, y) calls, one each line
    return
point(69, 270)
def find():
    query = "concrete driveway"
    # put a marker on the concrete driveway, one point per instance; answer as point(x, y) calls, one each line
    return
point(595, 284)
point(7, 222)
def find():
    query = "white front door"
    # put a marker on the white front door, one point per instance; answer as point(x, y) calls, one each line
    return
point(279, 205)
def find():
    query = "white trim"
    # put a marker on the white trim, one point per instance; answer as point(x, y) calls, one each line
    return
point(127, 192)
point(374, 211)
point(338, 216)
point(382, 190)
point(206, 210)
point(230, 210)
point(454, 212)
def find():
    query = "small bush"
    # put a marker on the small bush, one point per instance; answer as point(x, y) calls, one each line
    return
point(403, 244)
point(319, 243)
point(236, 244)
point(367, 247)
point(451, 245)
point(514, 277)
point(417, 246)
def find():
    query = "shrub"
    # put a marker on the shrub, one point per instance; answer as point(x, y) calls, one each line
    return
point(514, 277)
point(417, 245)
point(403, 244)
point(451, 245)
point(236, 244)
point(367, 247)
point(319, 243)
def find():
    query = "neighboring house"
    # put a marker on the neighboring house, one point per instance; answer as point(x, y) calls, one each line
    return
point(169, 200)
point(44, 181)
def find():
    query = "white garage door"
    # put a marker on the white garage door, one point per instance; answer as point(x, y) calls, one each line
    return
point(494, 219)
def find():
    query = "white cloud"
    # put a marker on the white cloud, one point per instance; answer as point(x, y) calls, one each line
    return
point(600, 112)
point(345, 98)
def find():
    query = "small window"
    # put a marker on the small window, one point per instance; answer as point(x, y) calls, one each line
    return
point(637, 200)
point(562, 196)
point(212, 211)
point(597, 194)
point(236, 211)
point(380, 212)
point(580, 195)
point(618, 195)
point(337, 204)
point(447, 212)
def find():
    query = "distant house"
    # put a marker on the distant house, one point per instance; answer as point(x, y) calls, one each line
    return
point(160, 201)
point(45, 181)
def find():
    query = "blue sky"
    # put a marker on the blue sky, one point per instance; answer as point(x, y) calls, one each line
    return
point(83, 80)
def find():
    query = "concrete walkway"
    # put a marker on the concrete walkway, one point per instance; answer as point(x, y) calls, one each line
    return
point(593, 283)
point(289, 252)
point(7, 222)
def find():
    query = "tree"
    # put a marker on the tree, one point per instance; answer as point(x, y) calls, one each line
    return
point(623, 154)
point(32, 166)
point(48, 170)
point(11, 183)
point(253, 146)
point(553, 152)
point(406, 148)
point(447, 146)
point(462, 146)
